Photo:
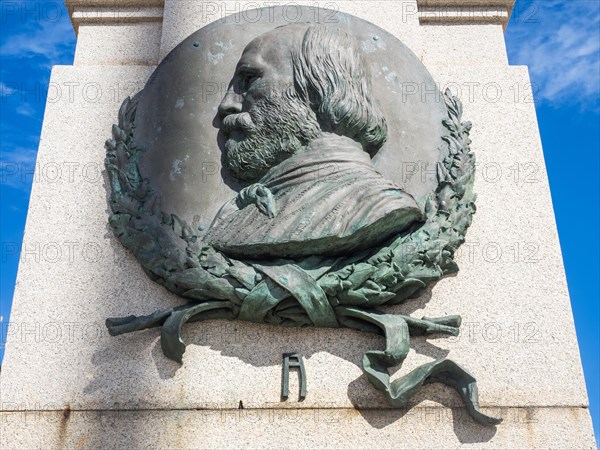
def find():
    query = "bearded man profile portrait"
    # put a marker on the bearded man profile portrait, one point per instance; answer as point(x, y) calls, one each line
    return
point(301, 126)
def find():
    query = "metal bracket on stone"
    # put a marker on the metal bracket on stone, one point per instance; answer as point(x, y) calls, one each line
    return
point(293, 360)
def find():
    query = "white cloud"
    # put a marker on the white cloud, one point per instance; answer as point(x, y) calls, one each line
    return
point(25, 109)
point(19, 155)
point(5, 90)
point(16, 167)
point(561, 46)
point(51, 40)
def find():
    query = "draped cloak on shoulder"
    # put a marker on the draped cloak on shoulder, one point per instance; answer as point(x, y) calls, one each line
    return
point(328, 200)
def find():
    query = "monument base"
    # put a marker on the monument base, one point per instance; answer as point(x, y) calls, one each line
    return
point(420, 427)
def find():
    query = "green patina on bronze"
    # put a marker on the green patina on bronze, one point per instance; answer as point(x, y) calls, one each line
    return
point(219, 287)
point(331, 290)
point(293, 360)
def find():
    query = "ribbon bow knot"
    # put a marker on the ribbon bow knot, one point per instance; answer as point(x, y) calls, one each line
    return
point(259, 195)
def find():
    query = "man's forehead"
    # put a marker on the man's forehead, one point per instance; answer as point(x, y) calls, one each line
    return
point(273, 48)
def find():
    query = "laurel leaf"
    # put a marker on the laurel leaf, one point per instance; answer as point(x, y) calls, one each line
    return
point(361, 273)
point(407, 289)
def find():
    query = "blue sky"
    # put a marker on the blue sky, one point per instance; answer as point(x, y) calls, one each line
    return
point(558, 40)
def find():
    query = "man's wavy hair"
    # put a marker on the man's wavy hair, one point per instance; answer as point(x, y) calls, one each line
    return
point(332, 77)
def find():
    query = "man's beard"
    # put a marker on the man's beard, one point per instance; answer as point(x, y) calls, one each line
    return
point(273, 130)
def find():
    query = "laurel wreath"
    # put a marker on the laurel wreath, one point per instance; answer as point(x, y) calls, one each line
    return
point(173, 255)
point(336, 293)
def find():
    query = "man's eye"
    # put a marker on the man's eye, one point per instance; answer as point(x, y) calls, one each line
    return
point(250, 78)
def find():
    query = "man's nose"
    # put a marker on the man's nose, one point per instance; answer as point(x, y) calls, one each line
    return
point(231, 104)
